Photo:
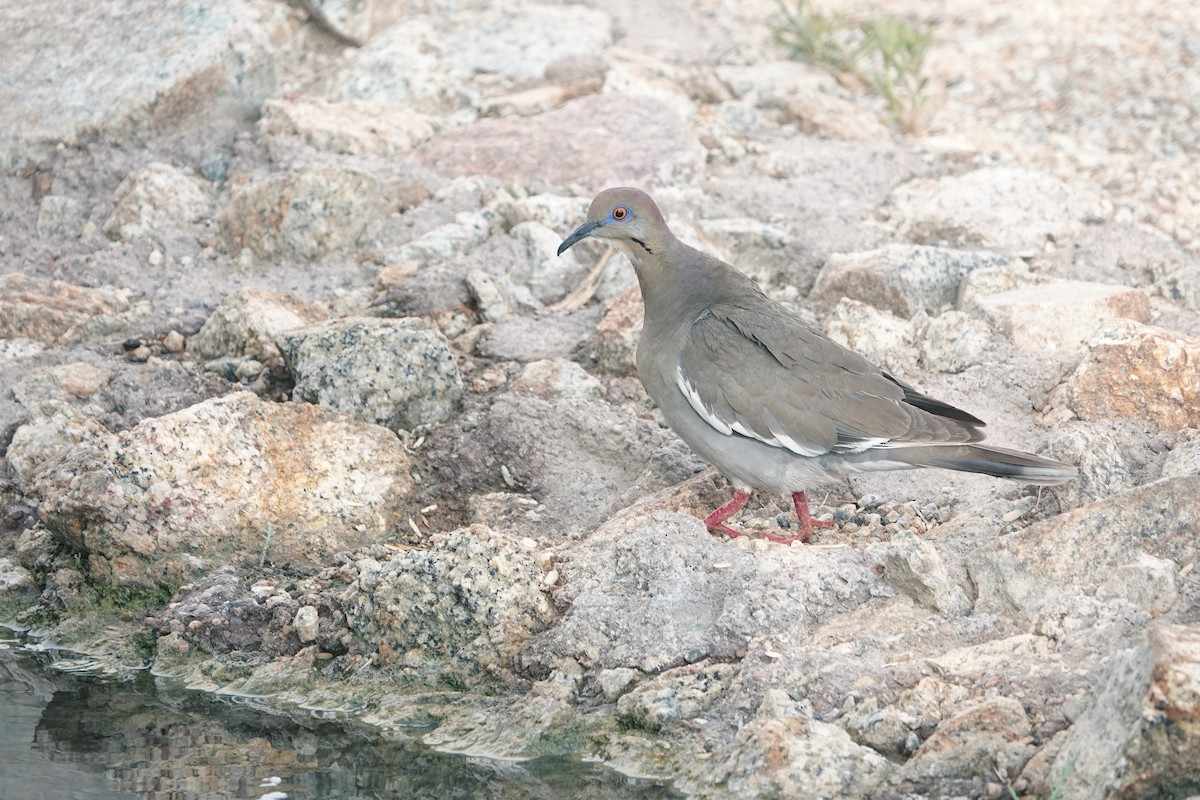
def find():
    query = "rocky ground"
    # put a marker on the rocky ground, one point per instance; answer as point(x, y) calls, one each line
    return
point(296, 400)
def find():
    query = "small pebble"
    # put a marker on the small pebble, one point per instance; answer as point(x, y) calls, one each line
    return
point(174, 342)
point(869, 501)
point(1013, 515)
point(248, 369)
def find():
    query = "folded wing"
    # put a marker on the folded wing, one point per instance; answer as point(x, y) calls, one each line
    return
point(761, 373)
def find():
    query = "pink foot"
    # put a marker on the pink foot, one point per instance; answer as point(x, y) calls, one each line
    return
point(715, 521)
point(807, 523)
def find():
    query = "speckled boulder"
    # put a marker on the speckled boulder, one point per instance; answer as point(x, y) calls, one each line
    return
point(303, 215)
point(230, 480)
point(464, 606)
point(394, 372)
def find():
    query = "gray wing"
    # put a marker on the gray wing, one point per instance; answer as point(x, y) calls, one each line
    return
point(761, 373)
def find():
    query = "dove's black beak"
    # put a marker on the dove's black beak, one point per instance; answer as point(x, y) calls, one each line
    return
point(582, 232)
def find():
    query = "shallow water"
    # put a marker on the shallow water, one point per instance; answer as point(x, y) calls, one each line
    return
point(66, 735)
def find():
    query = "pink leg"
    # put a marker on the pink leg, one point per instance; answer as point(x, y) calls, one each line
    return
point(807, 523)
point(715, 521)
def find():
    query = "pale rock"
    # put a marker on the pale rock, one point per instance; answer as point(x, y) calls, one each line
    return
point(57, 215)
point(881, 337)
point(64, 590)
point(540, 336)
point(821, 111)
point(56, 312)
point(644, 593)
point(527, 151)
point(988, 281)
point(879, 621)
point(769, 83)
point(618, 333)
point(503, 511)
point(449, 241)
point(1139, 735)
point(14, 578)
point(577, 68)
point(471, 600)
point(640, 74)
point(393, 372)
point(19, 349)
point(538, 100)
point(738, 234)
point(913, 566)
point(349, 19)
point(1103, 467)
point(43, 391)
point(115, 394)
point(247, 325)
point(550, 276)
point(1008, 208)
point(307, 624)
point(174, 342)
point(886, 730)
point(990, 738)
point(353, 127)
point(46, 437)
point(614, 683)
point(1184, 457)
point(972, 661)
point(932, 699)
point(497, 297)
point(953, 341)
point(135, 70)
point(523, 729)
point(154, 197)
point(1140, 371)
point(675, 696)
point(1061, 316)
point(1050, 570)
point(788, 755)
point(617, 278)
point(580, 457)
point(557, 212)
point(902, 279)
point(1181, 286)
point(1146, 582)
point(444, 63)
point(556, 378)
point(294, 483)
point(38, 549)
point(301, 215)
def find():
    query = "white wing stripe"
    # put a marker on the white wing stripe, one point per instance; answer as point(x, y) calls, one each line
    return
point(688, 389)
point(697, 404)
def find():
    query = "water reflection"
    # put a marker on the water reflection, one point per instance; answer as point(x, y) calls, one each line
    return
point(75, 737)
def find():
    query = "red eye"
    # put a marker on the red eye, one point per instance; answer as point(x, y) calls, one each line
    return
point(619, 213)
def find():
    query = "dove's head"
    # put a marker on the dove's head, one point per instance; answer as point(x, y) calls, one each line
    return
point(628, 219)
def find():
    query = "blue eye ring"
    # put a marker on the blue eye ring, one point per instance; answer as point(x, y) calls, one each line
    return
point(620, 213)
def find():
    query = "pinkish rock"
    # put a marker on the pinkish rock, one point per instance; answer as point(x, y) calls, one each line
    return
point(567, 147)
point(1135, 370)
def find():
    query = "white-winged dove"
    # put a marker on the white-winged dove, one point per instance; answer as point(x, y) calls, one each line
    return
point(770, 403)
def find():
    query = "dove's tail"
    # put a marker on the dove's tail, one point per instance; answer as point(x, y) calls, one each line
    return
point(995, 461)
